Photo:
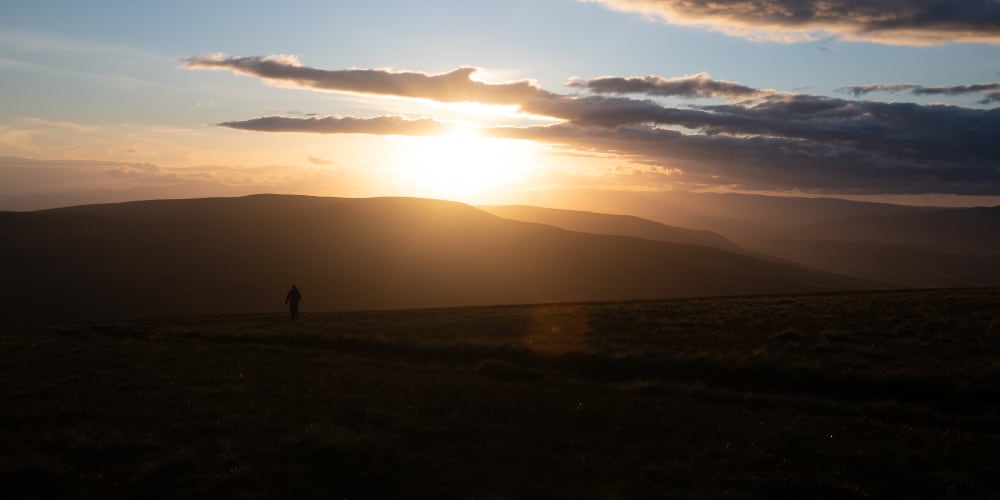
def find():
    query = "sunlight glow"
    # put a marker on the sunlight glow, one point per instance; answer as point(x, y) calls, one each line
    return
point(463, 163)
point(478, 113)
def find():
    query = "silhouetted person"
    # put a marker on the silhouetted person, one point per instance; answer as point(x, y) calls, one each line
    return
point(292, 301)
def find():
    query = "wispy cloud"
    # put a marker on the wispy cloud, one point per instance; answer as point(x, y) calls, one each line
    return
point(699, 85)
point(454, 86)
point(319, 161)
point(859, 90)
point(763, 140)
point(896, 22)
point(381, 125)
point(990, 92)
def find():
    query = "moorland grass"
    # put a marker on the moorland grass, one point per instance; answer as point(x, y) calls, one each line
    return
point(883, 394)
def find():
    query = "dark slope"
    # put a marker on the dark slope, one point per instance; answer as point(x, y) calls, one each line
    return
point(622, 225)
point(205, 256)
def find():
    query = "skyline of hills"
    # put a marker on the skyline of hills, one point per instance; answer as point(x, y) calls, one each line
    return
point(239, 255)
point(910, 246)
point(622, 225)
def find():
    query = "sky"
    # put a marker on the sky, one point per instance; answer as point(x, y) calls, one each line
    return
point(482, 102)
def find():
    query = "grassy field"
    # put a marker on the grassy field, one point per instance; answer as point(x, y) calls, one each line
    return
point(883, 394)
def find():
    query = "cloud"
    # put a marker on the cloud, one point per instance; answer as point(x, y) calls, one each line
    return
point(990, 91)
point(454, 86)
point(380, 125)
point(699, 85)
point(803, 143)
point(894, 22)
point(773, 163)
point(860, 90)
point(144, 171)
point(759, 140)
point(451, 87)
point(319, 161)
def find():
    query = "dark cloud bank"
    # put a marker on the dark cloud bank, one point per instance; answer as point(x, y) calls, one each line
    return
point(898, 22)
point(752, 139)
point(989, 92)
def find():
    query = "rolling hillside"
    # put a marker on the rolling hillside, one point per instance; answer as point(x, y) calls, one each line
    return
point(239, 255)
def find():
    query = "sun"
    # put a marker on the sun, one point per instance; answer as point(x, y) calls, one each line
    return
point(463, 164)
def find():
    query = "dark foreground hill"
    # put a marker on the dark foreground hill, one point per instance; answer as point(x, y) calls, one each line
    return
point(867, 395)
point(240, 255)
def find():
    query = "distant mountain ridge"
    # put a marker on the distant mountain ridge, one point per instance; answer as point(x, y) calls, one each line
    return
point(622, 225)
point(733, 215)
point(942, 248)
point(912, 246)
point(240, 255)
point(959, 230)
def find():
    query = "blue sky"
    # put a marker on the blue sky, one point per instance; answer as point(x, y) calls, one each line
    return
point(92, 88)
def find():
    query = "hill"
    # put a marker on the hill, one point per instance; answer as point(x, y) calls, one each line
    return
point(958, 231)
point(905, 245)
point(624, 225)
point(741, 218)
point(942, 248)
point(239, 255)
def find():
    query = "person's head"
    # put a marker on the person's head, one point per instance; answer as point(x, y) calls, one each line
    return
point(293, 285)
